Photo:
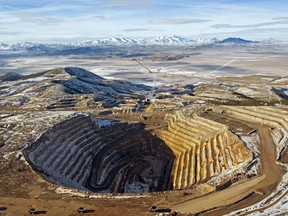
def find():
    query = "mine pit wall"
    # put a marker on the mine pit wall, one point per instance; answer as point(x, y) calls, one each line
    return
point(271, 117)
point(203, 149)
point(102, 155)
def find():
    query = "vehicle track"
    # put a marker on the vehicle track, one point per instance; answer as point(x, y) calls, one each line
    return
point(270, 178)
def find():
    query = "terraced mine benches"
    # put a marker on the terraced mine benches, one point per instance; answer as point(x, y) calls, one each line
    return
point(202, 147)
point(102, 155)
point(263, 115)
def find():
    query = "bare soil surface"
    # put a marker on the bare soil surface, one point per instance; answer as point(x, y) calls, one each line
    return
point(20, 206)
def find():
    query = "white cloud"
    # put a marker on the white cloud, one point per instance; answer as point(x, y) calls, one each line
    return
point(253, 34)
point(126, 3)
point(51, 19)
point(176, 21)
point(142, 29)
point(281, 22)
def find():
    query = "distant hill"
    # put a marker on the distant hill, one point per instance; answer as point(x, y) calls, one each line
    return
point(11, 76)
point(81, 73)
point(86, 82)
point(235, 41)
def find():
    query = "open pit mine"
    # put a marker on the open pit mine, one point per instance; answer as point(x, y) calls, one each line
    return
point(71, 138)
point(102, 156)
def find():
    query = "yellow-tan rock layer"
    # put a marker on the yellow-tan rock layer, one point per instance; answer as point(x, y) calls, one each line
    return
point(203, 148)
point(263, 115)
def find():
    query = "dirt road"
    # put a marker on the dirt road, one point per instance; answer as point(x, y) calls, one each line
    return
point(66, 207)
point(264, 184)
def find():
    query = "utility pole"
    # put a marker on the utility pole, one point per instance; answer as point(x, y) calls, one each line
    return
point(154, 78)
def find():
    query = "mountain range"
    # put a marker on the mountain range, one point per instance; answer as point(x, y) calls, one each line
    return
point(92, 46)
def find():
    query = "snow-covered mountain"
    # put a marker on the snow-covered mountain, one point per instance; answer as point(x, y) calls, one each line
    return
point(157, 41)
point(124, 41)
point(116, 41)
point(4, 46)
point(25, 46)
point(271, 41)
point(96, 46)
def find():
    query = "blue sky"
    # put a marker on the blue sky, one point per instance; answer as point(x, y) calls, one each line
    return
point(76, 20)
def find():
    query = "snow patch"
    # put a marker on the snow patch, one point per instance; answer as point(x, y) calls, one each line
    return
point(61, 190)
point(278, 206)
point(251, 142)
